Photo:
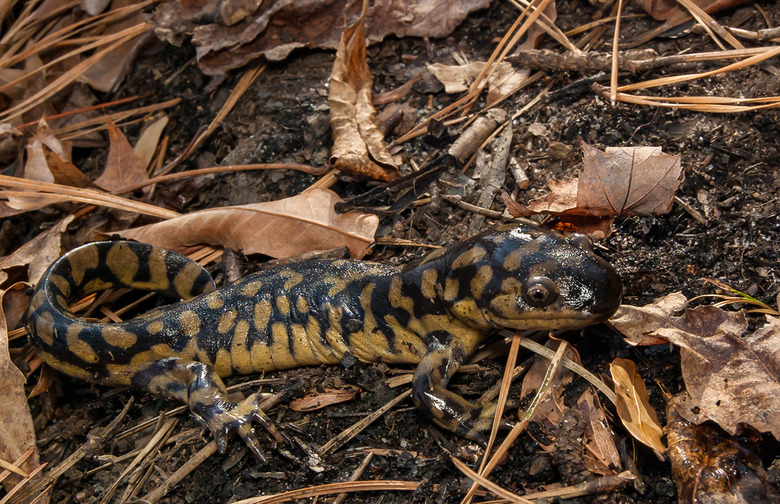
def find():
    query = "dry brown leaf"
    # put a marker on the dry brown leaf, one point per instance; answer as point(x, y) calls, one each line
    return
point(589, 429)
point(614, 182)
point(358, 144)
point(637, 323)
point(149, 139)
point(628, 181)
point(48, 160)
point(17, 434)
point(124, 166)
point(709, 466)
point(37, 254)
point(601, 455)
point(731, 378)
point(458, 78)
point(282, 228)
point(105, 74)
point(633, 405)
point(237, 35)
point(328, 397)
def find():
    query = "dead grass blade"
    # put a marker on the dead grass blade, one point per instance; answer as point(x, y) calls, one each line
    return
point(464, 103)
point(226, 169)
point(57, 193)
point(60, 37)
point(95, 440)
point(358, 426)
point(767, 53)
point(712, 27)
point(71, 75)
point(548, 25)
point(331, 488)
point(174, 479)
point(519, 427)
point(501, 403)
point(153, 444)
point(76, 130)
point(613, 78)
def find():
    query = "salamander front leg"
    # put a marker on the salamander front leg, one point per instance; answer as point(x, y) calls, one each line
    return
point(197, 385)
point(447, 409)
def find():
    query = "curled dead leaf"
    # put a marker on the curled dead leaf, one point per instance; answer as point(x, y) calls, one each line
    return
point(283, 228)
point(358, 144)
point(17, 434)
point(633, 405)
point(327, 398)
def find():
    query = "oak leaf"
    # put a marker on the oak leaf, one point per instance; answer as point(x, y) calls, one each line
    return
point(283, 228)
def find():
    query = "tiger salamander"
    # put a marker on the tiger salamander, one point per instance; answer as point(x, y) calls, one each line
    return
point(434, 313)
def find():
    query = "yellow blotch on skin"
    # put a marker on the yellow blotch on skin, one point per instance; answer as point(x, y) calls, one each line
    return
point(124, 263)
point(61, 283)
point(118, 337)
point(280, 351)
point(451, 288)
point(78, 346)
point(283, 305)
point(84, 259)
point(428, 287)
point(337, 285)
point(71, 369)
point(223, 363)
point(293, 279)
point(480, 281)
point(44, 326)
point(190, 323)
point(262, 315)
point(250, 288)
point(470, 256)
point(226, 321)
point(155, 327)
point(184, 281)
point(397, 299)
point(239, 353)
point(514, 259)
point(215, 302)
point(302, 305)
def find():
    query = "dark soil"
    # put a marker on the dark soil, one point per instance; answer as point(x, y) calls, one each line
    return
point(732, 177)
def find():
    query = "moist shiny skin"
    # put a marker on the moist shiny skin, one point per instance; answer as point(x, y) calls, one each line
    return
point(434, 314)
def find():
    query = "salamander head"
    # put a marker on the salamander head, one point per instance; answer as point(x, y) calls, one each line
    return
point(528, 278)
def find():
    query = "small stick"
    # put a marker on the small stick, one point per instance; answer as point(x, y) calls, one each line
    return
point(494, 178)
point(357, 427)
point(355, 475)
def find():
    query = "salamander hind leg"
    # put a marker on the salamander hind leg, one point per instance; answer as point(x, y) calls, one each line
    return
point(447, 409)
point(197, 385)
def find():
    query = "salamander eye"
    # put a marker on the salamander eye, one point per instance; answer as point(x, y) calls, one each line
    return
point(540, 292)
